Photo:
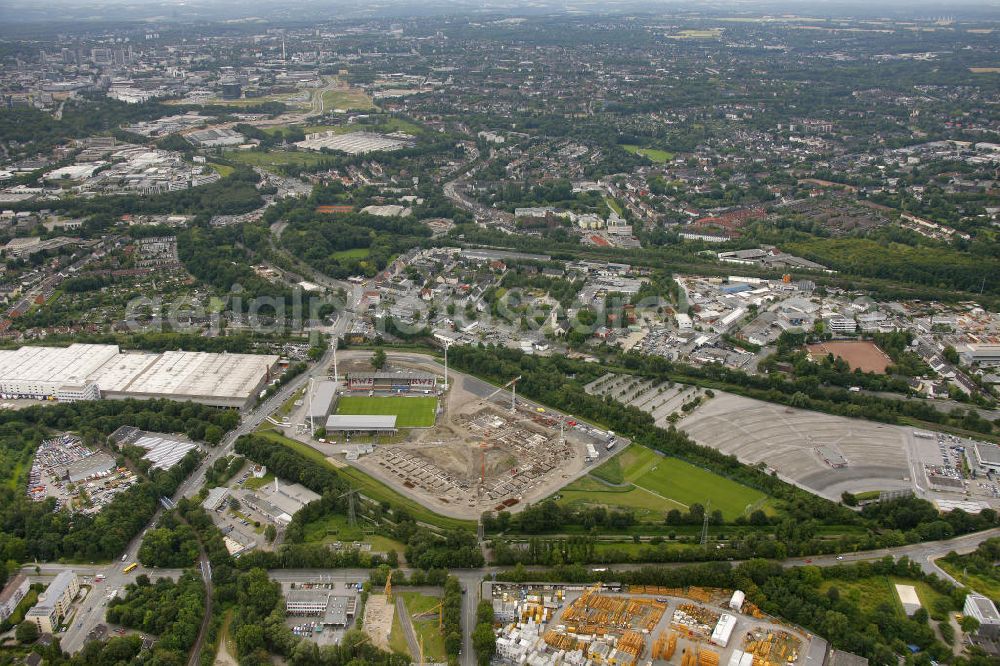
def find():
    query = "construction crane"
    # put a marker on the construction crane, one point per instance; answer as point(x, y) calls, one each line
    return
point(440, 613)
point(512, 385)
point(484, 445)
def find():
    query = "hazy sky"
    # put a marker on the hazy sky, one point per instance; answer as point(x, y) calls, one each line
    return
point(21, 11)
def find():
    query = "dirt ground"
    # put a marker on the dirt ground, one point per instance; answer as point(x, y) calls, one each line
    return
point(478, 456)
point(858, 354)
point(378, 620)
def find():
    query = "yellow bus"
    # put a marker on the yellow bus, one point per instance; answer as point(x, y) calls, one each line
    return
point(130, 568)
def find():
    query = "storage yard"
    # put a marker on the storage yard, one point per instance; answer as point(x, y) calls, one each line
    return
point(76, 476)
point(570, 624)
point(85, 371)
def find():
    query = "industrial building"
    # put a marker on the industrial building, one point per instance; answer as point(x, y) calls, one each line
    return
point(333, 609)
point(91, 467)
point(985, 611)
point(216, 498)
point(984, 355)
point(354, 143)
point(85, 371)
point(54, 603)
point(987, 455)
point(215, 137)
point(162, 451)
point(278, 503)
point(394, 382)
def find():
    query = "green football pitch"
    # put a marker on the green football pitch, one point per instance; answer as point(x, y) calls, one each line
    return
point(650, 484)
point(415, 412)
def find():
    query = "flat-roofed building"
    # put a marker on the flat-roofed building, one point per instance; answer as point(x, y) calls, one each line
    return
point(83, 372)
point(986, 355)
point(321, 402)
point(216, 498)
point(93, 466)
point(223, 380)
point(987, 455)
point(985, 611)
point(39, 372)
point(13, 592)
point(908, 597)
point(370, 423)
point(54, 603)
point(334, 610)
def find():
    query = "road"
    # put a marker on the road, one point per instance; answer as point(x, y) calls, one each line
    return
point(407, 625)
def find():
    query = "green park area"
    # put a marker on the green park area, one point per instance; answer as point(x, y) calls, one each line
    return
point(651, 484)
point(334, 527)
point(410, 412)
point(875, 592)
point(654, 154)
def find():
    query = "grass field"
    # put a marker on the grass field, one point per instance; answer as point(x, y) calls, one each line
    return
point(867, 593)
point(614, 205)
point(712, 33)
point(222, 169)
point(989, 587)
point(655, 154)
point(416, 412)
point(333, 527)
point(397, 639)
point(274, 157)
point(651, 484)
point(427, 626)
point(355, 253)
point(255, 484)
point(370, 487)
point(350, 99)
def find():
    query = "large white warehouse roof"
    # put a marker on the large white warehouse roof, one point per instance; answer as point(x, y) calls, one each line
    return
point(229, 380)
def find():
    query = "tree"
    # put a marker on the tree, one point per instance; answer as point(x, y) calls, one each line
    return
point(234, 503)
point(484, 642)
point(969, 624)
point(378, 359)
point(26, 632)
point(270, 533)
point(951, 355)
point(249, 637)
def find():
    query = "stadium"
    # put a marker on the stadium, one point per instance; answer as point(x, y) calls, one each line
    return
point(391, 382)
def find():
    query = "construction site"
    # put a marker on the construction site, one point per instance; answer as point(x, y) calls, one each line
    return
point(693, 626)
point(489, 450)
